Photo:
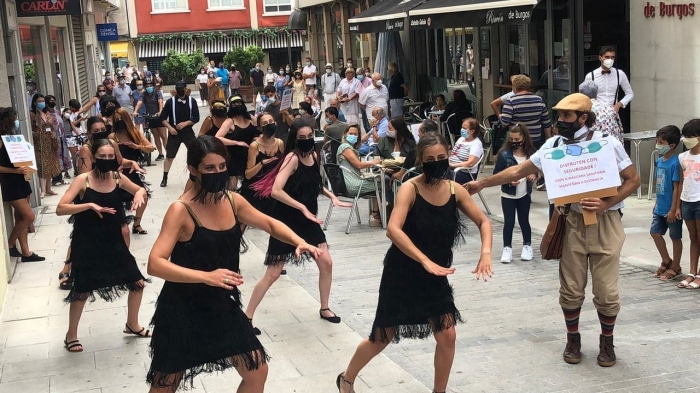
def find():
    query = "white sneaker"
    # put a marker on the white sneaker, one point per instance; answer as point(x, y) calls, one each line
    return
point(526, 255)
point(507, 256)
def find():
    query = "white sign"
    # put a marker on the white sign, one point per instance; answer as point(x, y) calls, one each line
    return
point(286, 99)
point(580, 168)
point(18, 149)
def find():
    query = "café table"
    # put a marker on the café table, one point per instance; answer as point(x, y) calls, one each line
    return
point(637, 138)
point(382, 185)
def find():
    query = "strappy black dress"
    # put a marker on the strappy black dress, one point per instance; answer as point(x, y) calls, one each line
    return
point(200, 328)
point(214, 128)
point(136, 155)
point(412, 302)
point(238, 155)
point(304, 186)
point(14, 186)
point(102, 263)
point(264, 205)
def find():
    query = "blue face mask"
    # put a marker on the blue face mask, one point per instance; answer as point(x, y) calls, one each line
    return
point(264, 98)
point(352, 139)
point(464, 133)
point(16, 124)
point(360, 77)
point(41, 105)
point(329, 121)
point(149, 90)
point(271, 100)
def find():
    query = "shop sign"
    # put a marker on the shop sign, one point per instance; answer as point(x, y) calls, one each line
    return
point(476, 18)
point(669, 10)
point(48, 7)
point(107, 32)
point(378, 26)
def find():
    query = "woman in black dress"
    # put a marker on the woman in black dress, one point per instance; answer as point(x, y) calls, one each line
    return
point(213, 123)
point(132, 145)
point(198, 317)
point(237, 133)
point(415, 298)
point(102, 263)
point(16, 191)
point(296, 185)
point(263, 156)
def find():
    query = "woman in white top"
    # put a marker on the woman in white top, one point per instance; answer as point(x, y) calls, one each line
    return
point(270, 77)
point(202, 79)
point(467, 151)
point(347, 95)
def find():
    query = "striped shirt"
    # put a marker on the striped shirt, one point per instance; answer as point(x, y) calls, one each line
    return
point(528, 109)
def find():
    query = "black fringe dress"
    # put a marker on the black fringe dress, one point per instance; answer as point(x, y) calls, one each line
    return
point(304, 186)
point(412, 302)
point(200, 328)
point(102, 263)
point(139, 179)
point(264, 205)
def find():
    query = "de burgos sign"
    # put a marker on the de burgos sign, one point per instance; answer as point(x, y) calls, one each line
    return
point(48, 7)
point(669, 10)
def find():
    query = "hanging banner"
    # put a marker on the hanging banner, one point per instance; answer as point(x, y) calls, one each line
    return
point(48, 7)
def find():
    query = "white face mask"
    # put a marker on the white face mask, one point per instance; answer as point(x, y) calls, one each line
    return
point(391, 134)
point(328, 71)
point(379, 82)
point(608, 63)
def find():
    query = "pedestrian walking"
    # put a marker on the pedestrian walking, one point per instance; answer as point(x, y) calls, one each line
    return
point(690, 198)
point(415, 297)
point(198, 316)
point(595, 247)
point(237, 133)
point(202, 80)
point(102, 263)
point(398, 90)
point(152, 102)
point(516, 196)
point(296, 184)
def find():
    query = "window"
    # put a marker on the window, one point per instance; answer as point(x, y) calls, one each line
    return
point(169, 5)
point(225, 3)
point(272, 6)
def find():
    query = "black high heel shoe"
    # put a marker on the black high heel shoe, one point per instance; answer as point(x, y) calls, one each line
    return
point(341, 378)
point(333, 319)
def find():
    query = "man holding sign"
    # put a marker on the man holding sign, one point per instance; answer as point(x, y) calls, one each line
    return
point(576, 160)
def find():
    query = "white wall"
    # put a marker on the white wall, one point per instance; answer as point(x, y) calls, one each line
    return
point(665, 68)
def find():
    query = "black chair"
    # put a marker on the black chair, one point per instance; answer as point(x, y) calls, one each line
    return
point(336, 177)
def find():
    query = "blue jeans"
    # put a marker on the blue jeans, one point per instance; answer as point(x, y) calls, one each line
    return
point(660, 225)
point(365, 149)
point(521, 206)
point(227, 92)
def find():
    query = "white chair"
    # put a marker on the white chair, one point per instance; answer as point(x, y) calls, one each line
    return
point(336, 175)
point(469, 171)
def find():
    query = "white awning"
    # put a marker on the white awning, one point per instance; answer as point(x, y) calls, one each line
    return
point(223, 45)
point(161, 48)
point(282, 41)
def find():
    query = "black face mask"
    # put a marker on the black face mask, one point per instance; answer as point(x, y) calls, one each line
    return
point(106, 165)
point(213, 186)
point(516, 145)
point(219, 112)
point(101, 135)
point(108, 112)
point(269, 130)
point(51, 104)
point(120, 125)
point(180, 92)
point(568, 129)
point(435, 171)
point(305, 146)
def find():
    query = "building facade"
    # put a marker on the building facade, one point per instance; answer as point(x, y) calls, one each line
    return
point(215, 27)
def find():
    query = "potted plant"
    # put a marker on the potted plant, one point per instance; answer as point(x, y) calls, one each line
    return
point(244, 60)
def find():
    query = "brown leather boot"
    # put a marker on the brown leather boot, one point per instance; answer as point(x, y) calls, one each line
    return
point(606, 357)
point(572, 352)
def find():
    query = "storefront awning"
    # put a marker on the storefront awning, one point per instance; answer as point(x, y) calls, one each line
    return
point(387, 15)
point(225, 44)
point(119, 49)
point(161, 48)
point(440, 14)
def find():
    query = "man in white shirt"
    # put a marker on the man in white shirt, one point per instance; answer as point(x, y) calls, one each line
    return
point(329, 83)
point(376, 95)
point(609, 80)
point(309, 74)
point(596, 246)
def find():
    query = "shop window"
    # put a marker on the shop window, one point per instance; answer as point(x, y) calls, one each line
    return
point(274, 6)
point(225, 4)
point(169, 5)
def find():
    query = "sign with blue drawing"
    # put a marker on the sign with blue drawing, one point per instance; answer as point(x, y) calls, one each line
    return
point(580, 168)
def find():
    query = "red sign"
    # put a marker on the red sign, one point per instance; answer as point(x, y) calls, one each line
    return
point(669, 10)
point(48, 7)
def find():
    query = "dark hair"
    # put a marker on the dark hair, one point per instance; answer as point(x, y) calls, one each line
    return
point(606, 49)
point(477, 128)
point(331, 110)
point(73, 103)
point(427, 141)
point(440, 96)
point(403, 133)
point(92, 121)
point(297, 74)
point(429, 125)
point(34, 100)
point(108, 101)
point(96, 145)
point(49, 97)
point(359, 135)
point(7, 121)
point(590, 120)
point(691, 129)
point(232, 112)
point(291, 144)
point(670, 134)
point(528, 147)
point(203, 145)
point(459, 95)
point(269, 89)
point(306, 107)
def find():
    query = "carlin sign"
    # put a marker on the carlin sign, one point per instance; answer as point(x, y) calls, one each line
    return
point(48, 7)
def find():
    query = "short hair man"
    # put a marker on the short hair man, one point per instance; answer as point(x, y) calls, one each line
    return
point(180, 113)
point(609, 80)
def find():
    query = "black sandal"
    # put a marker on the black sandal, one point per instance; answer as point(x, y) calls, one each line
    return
point(137, 229)
point(69, 345)
point(140, 333)
point(255, 330)
point(333, 319)
point(64, 284)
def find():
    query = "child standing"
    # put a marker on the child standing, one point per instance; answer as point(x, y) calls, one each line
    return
point(690, 198)
point(667, 210)
point(515, 197)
